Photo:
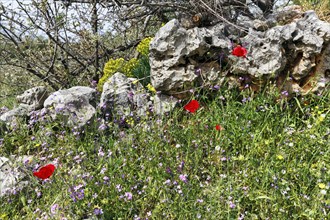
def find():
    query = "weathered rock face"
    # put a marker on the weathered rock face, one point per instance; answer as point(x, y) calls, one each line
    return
point(72, 105)
point(163, 104)
point(299, 48)
point(30, 100)
point(175, 54)
point(34, 97)
point(124, 96)
point(182, 58)
point(12, 117)
point(10, 176)
point(121, 96)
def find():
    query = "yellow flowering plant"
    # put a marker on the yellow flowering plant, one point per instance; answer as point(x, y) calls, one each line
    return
point(138, 68)
point(143, 47)
point(117, 65)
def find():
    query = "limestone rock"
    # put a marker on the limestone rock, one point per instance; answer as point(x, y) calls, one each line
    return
point(287, 14)
point(11, 176)
point(122, 95)
point(79, 91)
point(73, 106)
point(299, 47)
point(34, 97)
point(182, 59)
point(30, 100)
point(173, 52)
point(163, 104)
point(11, 118)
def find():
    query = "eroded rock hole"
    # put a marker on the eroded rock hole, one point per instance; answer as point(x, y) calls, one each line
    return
point(208, 40)
point(297, 59)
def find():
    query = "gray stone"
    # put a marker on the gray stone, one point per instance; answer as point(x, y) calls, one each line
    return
point(125, 96)
point(122, 95)
point(163, 104)
point(12, 117)
point(298, 42)
point(72, 106)
point(34, 97)
point(172, 53)
point(286, 15)
point(79, 91)
point(182, 59)
point(11, 176)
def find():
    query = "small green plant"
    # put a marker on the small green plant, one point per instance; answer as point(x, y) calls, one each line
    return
point(142, 71)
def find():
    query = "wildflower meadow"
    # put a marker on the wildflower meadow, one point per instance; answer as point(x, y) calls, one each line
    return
point(234, 155)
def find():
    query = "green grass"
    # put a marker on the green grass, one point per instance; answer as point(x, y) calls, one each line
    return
point(271, 161)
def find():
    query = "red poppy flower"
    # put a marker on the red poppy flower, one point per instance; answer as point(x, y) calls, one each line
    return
point(45, 172)
point(218, 128)
point(239, 51)
point(192, 106)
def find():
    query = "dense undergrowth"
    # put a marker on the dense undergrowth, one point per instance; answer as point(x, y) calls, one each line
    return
point(269, 160)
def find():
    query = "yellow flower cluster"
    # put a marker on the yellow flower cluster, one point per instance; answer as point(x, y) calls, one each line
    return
point(117, 65)
point(130, 121)
point(129, 66)
point(143, 47)
point(151, 88)
point(123, 66)
point(4, 216)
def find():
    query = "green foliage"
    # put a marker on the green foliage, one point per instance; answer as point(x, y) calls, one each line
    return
point(142, 70)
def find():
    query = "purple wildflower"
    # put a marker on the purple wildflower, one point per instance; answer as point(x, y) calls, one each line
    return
point(223, 158)
point(98, 211)
point(232, 205)
point(54, 208)
point(93, 83)
point(102, 127)
point(128, 196)
point(106, 179)
point(183, 178)
point(118, 187)
point(181, 166)
point(198, 71)
point(100, 153)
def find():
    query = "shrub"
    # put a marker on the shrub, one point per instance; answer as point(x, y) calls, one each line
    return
point(138, 68)
point(117, 65)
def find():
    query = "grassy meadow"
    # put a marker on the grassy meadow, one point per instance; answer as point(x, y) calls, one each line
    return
point(267, 159)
